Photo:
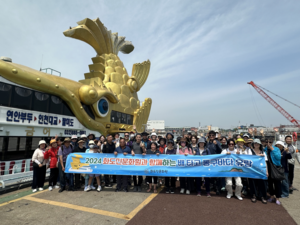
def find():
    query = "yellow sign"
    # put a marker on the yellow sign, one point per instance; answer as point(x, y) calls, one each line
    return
point(30, 131)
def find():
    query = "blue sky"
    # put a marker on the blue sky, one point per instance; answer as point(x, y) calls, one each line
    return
point(202, 53)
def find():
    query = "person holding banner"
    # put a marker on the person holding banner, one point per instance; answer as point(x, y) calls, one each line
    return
point(244, 150)
point(170, 150)
point(108, 147)
point(185, 182)
point(238, 182)
point(202, 150)
point(65, 149)
point(258, 186)
point(214, 147)
point(162, 145)
point(152, 151)
point(145, 140)
point(138, 147)
point(122, 179)
point(95, 149)
point(161, 148)
point(170, 136)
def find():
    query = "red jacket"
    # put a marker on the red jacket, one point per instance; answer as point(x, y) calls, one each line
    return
point(52, 154)
point(162, 149)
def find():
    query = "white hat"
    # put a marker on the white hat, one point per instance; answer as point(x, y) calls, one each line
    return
point(280, 143)
point(246, 135)
point(91, 142)
point(74, 137)
point(83, 136)
point(153, 134)
point(42, 142)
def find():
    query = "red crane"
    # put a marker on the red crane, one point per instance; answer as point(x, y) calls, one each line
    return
point(274, 104)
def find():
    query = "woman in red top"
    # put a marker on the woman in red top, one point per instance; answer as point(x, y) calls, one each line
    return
point(52, 154)
point(162, 145)
point(161, 148)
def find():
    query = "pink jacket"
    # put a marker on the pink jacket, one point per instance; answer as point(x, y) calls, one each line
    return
point(184, 150)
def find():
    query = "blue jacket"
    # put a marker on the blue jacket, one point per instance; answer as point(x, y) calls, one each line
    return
point(214, 149)
point(205, 152)
point(120, 150)
point(275, 155)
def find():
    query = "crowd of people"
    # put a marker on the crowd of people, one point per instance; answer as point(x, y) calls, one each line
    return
point(280, 154)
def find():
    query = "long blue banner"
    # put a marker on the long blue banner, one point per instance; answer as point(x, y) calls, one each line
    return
point(168, 165)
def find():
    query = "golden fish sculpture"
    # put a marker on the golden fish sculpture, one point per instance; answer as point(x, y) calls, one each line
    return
point(107, 89)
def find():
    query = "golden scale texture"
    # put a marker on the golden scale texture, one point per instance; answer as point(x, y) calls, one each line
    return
point(107, 78)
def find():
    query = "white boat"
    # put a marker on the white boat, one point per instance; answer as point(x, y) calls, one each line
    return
point(26, 117)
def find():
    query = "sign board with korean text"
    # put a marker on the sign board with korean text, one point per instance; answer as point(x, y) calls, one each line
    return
point(20, 122)
point(168, 165)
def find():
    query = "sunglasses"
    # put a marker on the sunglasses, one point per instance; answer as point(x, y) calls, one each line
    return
point(231, 144)
point(126, 135)
point(270, 142)
point(212, 135)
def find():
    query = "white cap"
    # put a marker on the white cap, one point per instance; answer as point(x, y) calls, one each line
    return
point(280, 143)
point(153, 134)
point(246, 135)
point(83, 136)
point(74, 137)
point(42, 142)
point(91, 142)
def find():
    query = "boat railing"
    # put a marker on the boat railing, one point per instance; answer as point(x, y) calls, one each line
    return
point(14, 176)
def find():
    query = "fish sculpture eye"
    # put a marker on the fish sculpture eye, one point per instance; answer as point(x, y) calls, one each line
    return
point(103, 107)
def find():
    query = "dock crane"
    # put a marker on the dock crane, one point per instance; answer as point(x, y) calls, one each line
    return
point(275, 104)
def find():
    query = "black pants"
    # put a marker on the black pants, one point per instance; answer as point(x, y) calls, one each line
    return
point(245, 184)
point(291, 173)
point(53, 176)
point(65, 177)
point(149, 179)
point(199, 184)
point(167, 180)
point(258, 188)
point(107, 179)
point(122, 180)
point(139, 182)
point(274, 187)
point(78, 178)
point(39, 174)
point(217, 183)
point(185, 182)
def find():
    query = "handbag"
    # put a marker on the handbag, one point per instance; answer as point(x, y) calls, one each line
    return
point(277, 172)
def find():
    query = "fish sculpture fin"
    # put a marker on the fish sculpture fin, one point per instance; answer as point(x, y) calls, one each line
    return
point(94, 33)
point(141, 115)
point(140, 72)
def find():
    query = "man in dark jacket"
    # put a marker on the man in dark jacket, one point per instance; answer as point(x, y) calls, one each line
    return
point(214, 147)
point(138, 147)
point(109, 147)
point(79, 148)
point(145, 140)
point(122, 180)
